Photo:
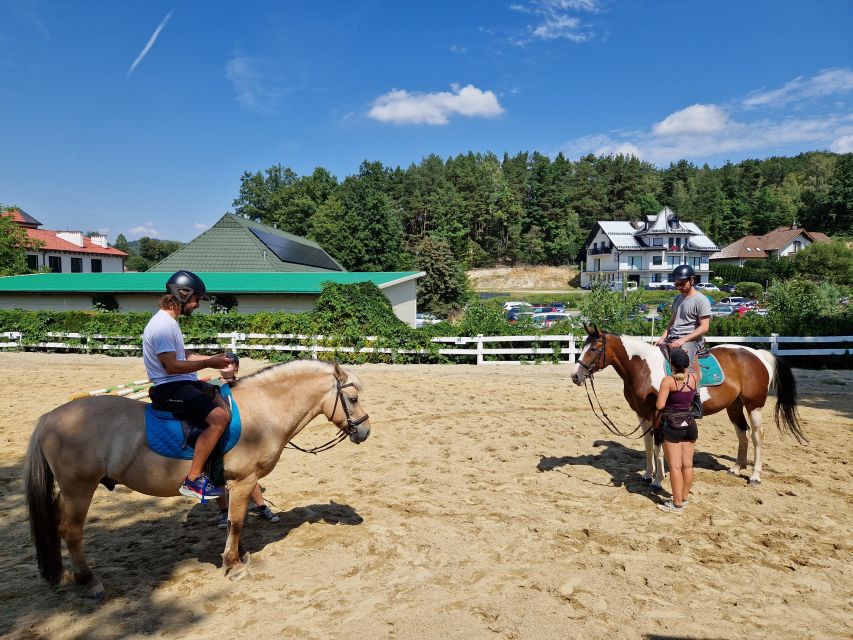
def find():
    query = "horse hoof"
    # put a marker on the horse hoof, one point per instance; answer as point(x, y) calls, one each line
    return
point(754, 482)
point(238, 573)
point(656, 487)
point(95, 591)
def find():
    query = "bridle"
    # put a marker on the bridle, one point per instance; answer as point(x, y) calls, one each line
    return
point(598, 363)
point(348, 430)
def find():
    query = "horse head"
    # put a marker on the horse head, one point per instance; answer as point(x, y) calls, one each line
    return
point(343, 409)
point(594, 356)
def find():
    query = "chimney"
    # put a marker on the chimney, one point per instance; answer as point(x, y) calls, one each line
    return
point(74, 237)
point(99, 240)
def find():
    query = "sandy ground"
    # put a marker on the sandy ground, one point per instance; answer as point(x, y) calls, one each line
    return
point(526, 279)
point(488, 502)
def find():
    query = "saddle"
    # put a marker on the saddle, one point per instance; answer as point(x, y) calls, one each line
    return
point(712, 373)
point(175, 438)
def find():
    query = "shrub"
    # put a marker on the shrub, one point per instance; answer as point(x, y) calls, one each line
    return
point(750, 290)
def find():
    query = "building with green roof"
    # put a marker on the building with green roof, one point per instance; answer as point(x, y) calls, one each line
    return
point(237, 244)
point(254, 292)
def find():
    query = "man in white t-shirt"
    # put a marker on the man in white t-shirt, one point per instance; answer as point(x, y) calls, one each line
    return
point(690, 320)
point(176, 386)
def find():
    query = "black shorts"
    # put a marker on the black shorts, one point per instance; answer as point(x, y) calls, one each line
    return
point(190, 400)
point(679, 434)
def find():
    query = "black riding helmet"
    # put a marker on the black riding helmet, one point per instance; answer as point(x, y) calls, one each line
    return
point(188, 281)
point(682, 272)
point(679, 359)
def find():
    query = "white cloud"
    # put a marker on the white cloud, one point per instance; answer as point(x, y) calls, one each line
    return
point(149, 44)
point(147, 229)
point(454, 48)
point(557, 19)
point(827, 82)
point(842, 144)
point(201, 226)
point(401, 107)
point(256, 87)
point(697, 118)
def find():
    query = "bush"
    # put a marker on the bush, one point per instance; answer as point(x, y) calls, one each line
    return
point(750, 290)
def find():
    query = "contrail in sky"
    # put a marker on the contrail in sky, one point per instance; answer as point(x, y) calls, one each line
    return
point(150, 44)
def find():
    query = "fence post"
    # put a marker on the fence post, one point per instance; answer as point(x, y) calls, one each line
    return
point(479, 348)
point(572, 348)
point(774, 343)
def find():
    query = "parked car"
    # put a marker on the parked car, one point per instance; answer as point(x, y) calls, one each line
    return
point(557, 306)
point(423, 319)
point(728, 288)
point(546, 320)
point(657, 286)
point(515, 315)
point(544, 309)
point(516, 305)
point(736, 300)
point(718, 310)
point(706, 286)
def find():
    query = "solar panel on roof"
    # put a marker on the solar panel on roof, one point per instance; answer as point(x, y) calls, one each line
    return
point(291, 251)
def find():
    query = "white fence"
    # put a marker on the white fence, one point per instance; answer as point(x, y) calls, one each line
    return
point(480, 349)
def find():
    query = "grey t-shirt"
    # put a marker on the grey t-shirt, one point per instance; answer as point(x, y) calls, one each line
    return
point(686, 313)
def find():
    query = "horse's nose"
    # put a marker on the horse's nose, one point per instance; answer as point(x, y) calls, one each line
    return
point(361, 433)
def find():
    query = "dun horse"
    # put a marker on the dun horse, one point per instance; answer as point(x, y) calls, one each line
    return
point(85, 440)
point(750, 375)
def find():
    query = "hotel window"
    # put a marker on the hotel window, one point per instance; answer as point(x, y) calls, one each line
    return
point(97, 266)
point(673, 261)
point(657, 260)
point(76, 265)
point(695, 262)
point(32, 262)
point(657, 242)
point(54, 263)
point(597, 265)
point(797, 245)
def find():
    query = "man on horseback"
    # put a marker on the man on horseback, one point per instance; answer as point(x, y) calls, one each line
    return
point(176, 386)
point(690, 320)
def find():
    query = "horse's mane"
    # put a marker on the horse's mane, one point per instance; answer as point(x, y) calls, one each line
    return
point(294, 368)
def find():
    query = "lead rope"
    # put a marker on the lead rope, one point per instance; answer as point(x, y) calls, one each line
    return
point(605, 419)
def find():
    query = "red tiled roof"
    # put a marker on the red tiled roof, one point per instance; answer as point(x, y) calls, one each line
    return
point(53, 243)
point(22, 218)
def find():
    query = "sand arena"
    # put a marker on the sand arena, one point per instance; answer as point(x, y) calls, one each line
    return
point(488, 502)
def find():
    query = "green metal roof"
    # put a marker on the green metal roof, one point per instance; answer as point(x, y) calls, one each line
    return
point(230, 245)
point(221, 282)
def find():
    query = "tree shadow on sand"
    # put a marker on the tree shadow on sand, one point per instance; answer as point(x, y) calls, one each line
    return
point(136, 548)
point(625, 465)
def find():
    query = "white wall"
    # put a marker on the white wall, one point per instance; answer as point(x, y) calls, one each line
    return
point(109, 264)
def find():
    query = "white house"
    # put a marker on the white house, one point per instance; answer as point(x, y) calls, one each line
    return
point(645, 252)
point(67, 251)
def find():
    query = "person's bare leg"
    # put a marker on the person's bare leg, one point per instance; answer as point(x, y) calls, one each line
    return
point(216, 421)
point(257, 496)
point(673, 457)
point(687, 449)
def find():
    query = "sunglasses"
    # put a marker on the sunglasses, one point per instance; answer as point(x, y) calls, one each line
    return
point(681, 283)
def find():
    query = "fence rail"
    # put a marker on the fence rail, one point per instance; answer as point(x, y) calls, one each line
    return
point(545, 348)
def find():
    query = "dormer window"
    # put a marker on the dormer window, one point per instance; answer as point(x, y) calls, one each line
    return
point(749, 249)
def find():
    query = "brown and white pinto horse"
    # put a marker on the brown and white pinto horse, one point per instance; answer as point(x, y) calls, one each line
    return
point(750, 375)
point(90, 440)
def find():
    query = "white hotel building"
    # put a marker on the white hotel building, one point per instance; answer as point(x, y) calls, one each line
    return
point(645, 252)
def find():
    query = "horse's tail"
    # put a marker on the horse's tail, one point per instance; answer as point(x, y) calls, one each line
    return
point(43, 507)
point(784, 386)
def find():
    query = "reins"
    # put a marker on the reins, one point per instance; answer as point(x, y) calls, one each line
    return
point(348, 430)
point(604, 418)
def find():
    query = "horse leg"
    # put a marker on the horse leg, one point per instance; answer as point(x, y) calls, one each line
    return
point(757, 440)
point(74, 505)
point(654, 458)
point(736, 415)
point(234, 558)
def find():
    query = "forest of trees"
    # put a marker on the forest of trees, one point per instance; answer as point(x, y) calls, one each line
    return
point(529, 208)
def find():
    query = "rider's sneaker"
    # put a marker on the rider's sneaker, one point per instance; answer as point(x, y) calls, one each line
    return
point(201, 488)
point(222, 519)
point(266, 513)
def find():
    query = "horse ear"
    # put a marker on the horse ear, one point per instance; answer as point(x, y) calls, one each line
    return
point(587, 328)
point(340, 374)
point(595, 330)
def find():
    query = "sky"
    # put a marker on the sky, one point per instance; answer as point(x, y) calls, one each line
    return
point(140, 117)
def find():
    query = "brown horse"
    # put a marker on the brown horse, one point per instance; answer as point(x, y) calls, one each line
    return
point(90, 439)
point(750, 375)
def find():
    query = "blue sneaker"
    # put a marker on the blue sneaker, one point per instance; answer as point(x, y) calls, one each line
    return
point(200, 488)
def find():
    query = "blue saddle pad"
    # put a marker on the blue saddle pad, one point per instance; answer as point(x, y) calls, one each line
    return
point(166, 434)
point(712, 373)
